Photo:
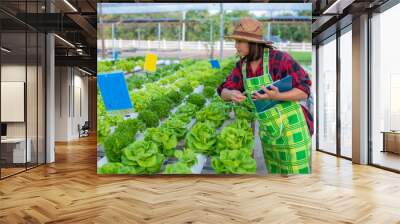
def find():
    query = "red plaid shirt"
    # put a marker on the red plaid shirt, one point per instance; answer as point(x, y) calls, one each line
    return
point(280, 65)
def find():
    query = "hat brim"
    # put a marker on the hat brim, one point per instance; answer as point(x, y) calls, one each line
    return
point(249, 39)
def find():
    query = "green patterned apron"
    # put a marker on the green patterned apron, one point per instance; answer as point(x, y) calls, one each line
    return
point(283, 129)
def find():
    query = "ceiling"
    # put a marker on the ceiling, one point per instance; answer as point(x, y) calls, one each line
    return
point(330, 15)
point(74, 22)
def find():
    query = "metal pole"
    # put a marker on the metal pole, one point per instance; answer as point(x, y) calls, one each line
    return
point(103, 50)
point(221, 31)
point(183, 26)
point(211, 31)
point(183, 29)
point(211, 40)
point(113, 38)
point(138, 37)
point(159, 35)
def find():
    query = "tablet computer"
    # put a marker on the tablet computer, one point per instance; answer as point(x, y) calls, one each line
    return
point(283, 85)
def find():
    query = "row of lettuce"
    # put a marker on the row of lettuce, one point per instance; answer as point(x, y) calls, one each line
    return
point(166, 108)
point(127, 65)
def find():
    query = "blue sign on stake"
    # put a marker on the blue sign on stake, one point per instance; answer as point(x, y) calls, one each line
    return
point(115, 55)
point(215, 63)
point(114, 91)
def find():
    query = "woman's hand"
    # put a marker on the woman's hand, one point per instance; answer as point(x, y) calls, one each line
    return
point(232, 95)
point(237, 96)
point(272, 94)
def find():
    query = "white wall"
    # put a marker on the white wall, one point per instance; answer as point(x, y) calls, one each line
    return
point(62, 81)
point(12, 73)
point(71, 93)
point(33, 126)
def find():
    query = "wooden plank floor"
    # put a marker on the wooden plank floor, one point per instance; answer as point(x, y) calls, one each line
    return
point(70, 191)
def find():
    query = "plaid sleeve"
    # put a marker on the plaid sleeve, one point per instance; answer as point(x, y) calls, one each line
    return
point(301, 79)
point(233, 81)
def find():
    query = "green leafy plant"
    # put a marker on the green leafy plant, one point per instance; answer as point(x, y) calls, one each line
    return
point(103, 129)
point(234, 162)
point(131, 125)
point(186, 89)
point(216, 113)
point(135, 81)
point(182, 117)
point(140, 100)
point(242, 124)
point(202, 138)
point(177, 168)
point(213, 81)
point(243, 113)
point(110, 168)
point(104, 120)
point(187, 109)
point(164, 138)
point(123, 135)
point(194, 84)
point(104, 66)
point(128, 170)
point(187, 156)
point(209, 91)
point(161, 107)
point(149, 118)
point(185, 112)
point(176, 126)
point(144, 156)
point(232, 138)
point(175, 96)
point(124, 65)
point(196, 99)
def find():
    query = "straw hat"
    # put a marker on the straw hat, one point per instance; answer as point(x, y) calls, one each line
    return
point(250, 30)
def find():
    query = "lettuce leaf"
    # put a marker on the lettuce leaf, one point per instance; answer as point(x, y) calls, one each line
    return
point(216, 113)
point(110, 168)
point(187, 156)
point(164, 138)
point(177, 168)
point(123, 135)
point(176, 126)
point(196, 99)
point(232, 138)
point(144, 156)
point(185, 112)
point(234, 162)
point(149, 117)
point(242, 112)
point(202, 138)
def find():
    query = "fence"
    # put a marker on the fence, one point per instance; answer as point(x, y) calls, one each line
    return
point(188, 45)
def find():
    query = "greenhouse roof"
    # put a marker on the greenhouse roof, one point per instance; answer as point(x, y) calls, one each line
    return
point(136, 8)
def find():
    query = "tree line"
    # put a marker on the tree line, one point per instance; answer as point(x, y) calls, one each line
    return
point(201, 26)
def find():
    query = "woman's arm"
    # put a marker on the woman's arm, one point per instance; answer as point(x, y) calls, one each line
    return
point(294, 94)
point(301, 83)
point(231, 89)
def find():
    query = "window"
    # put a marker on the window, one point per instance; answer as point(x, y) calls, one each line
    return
point(346, 93)
point(385, 89)
point(22, 76)
point(327, 96)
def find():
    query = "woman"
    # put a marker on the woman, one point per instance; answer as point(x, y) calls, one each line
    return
point(286, 128)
